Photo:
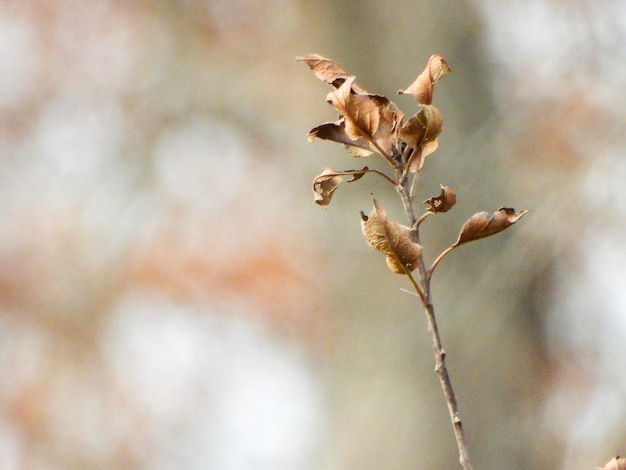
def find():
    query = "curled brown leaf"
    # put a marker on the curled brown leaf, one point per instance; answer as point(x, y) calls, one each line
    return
point(424, 126)
point(325, 184)
point(442, 203)
point(423, 86)
point(361, 111)
point(328, 71)
point(367, 116)
point(392, 239)
point(420, 132)
point(336, 131)
point(483, 225)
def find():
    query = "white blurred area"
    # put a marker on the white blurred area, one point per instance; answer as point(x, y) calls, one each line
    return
point(171, 388)
point(170, 296)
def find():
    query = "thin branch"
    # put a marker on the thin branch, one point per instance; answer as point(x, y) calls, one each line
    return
point(388, 178)
point(446, 385)
point(407, 205)
point(414, 183)
point(415, 153)
point(406, 154)
point(424, 293)
point(419, 221)
point(439, 258)
point(418, 289)
point(356, 172)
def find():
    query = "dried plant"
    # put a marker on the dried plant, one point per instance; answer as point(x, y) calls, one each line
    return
point(371, 124)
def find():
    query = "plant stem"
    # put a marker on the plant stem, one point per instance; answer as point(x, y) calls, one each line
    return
point(439, 258)
point(440, 355)
point(446, 384)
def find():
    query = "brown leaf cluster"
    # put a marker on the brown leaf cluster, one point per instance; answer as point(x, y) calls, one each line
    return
point(392, 239)
point(370, 123)
point(367, 123)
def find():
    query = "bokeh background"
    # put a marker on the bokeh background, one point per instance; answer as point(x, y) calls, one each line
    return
point(171, 297)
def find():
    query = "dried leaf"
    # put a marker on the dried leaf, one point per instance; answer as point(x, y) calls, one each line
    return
point(368, 116)
point(328, 71)
point(325, 184)
point(616, 463)
point(360, 111)
point(357, 152)
point(357, 174)
point(391, 239)
point(423, 86)
point(423, 127)
point(483, 225)
point(442, 203)
point(336, 131)
point(420, 132)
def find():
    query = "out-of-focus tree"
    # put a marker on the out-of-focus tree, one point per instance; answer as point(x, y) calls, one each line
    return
point(167, 298)
point(561, 100)
point(156, 301)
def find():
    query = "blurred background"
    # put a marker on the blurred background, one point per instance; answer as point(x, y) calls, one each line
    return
point(171, 297)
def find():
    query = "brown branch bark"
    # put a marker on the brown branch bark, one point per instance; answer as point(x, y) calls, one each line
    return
point(446, 384)
point(424, 292)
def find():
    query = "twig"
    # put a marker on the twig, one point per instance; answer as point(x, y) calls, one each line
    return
point(446, 385)
point(419, 221)
point(439, 258)
point(423, 290)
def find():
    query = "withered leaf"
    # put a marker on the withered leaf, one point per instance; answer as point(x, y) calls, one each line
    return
point(357, 174)
point(483, 225)
point(442, 203)
point(420, 132)
point(423, 128)
point(325, 184)
point(391, 239)
point(616, 463)
point(328, 71)
point(336, 131)
point(360, 111)
point(368, 116)
point(423, 86)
